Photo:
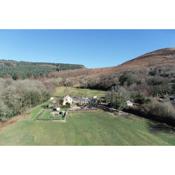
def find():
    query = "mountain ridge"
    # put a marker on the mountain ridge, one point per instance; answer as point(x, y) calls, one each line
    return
point(164, 57)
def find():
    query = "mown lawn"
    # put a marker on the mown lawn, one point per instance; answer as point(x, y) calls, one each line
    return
point(62, 91)
point(86, 128)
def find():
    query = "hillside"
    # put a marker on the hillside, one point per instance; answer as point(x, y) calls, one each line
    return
point(162, 58)
point(22, 70)
point(156, 59)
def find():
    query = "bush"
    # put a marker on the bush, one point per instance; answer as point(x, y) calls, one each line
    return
point(162, 110)
point(139, 98)
point(152, 72)
point(155, 81)
point(127, 79)
point(3, 110)
point(160, 90)
point(173, 89)
point(159, 111)
point(116, 100)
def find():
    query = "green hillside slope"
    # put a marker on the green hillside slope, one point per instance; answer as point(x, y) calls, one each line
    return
point(23, 69)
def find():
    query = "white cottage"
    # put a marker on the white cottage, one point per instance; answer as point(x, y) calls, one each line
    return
point(67, 100)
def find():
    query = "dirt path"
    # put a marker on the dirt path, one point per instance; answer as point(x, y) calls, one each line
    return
point(13, 120)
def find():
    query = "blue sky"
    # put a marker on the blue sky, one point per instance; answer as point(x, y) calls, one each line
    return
point(93, 48)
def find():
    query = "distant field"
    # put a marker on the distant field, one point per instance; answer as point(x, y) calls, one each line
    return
point(62, 91)
point(86, 128)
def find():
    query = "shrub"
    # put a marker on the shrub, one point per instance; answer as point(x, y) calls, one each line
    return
point(173, 88)
point(155, 81)
point(3, 110)
point(160, 109)
point(160, 90)
point(127, 79)
point(116, 100)
point(152, 72)
point(139, 98)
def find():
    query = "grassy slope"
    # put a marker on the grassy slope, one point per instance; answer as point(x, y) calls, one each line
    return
point(62, 91)
point(84, 128)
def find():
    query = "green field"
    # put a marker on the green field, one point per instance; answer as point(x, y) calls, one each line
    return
point(86, 128)
point(62, 91)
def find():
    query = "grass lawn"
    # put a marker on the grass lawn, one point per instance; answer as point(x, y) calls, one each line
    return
point(62, 91)
point(85, 128)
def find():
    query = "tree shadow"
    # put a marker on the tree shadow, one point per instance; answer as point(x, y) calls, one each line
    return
point(161, 127)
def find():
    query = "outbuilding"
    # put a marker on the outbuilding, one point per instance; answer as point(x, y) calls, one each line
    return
point(67, 100)
point(129, 103)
